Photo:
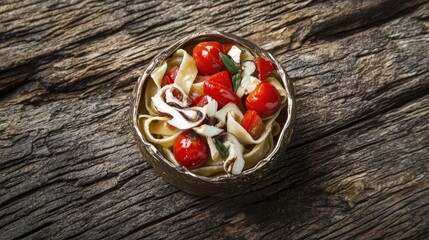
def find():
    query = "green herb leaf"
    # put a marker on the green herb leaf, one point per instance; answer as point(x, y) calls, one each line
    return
point(221, 148)
point(229, 64)
point(192, 135)
point(236, 80)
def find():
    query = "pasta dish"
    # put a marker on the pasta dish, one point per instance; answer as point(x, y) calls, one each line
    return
point(213, 108)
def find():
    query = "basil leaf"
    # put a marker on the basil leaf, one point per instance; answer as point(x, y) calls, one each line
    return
point(236, 80)
point(229, 64)
point(221, 148)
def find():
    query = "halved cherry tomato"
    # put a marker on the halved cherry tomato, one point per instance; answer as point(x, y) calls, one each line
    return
point(228, 46)
point(198, 99)
point(223, 95)
point(190, 149)
point(170, 76)
point(253, 124)
point(203, 101)
point(206, 56)
point(222, 78)
point(195, 98)
point(264, 67)
point(264, 99)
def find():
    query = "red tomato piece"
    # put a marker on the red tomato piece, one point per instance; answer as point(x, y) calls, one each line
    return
point(203, 101)
point(195, 98)
point(264, 99)
point(170, 76)
point(228, 46)
point(206, 56)
point(264, 67)
point(222, 78)
point(220, 93)
point(198, 99)
point(253, 124)
point(190, 149)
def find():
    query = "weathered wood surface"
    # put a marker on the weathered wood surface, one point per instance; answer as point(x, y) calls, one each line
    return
point(358, 165)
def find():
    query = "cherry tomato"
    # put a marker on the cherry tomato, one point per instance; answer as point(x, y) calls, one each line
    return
point(170, 76)
point(195, 98)
point(253, 124)
point(203, 101)
point(264, 67)
point(228, 46)
point(198, 99)
point(222, 78)
point(206, 56)
point(190, 149)
point(264, 99)
point(223, 95)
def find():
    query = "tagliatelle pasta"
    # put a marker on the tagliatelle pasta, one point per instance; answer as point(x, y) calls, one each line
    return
point(198, 87)
point(244, 137)
point(187, 71)
point(258, 152)
point(158, 74)
point(152, 129)
point(213, 111)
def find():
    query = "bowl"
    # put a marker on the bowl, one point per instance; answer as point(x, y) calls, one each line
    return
point(180, 177)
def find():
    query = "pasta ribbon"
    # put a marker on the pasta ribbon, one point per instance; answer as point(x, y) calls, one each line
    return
point(151, 123)
point(209, 171)
point(170, 156)
point(158, 74)
point(150, 91)
point(187, 71)
point(258, 152)
point(233, 126)
point(279, 87)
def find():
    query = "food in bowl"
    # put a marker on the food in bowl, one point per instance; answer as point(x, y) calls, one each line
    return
point(213, 108)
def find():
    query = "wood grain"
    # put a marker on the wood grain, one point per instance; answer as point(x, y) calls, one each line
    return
point(358, 165)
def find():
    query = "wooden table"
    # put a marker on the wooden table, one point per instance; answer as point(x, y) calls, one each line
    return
point(357, 167)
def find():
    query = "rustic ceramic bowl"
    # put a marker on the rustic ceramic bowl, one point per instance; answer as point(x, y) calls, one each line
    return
point(180, 176)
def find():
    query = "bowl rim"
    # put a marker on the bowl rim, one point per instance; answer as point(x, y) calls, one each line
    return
point(285, 132)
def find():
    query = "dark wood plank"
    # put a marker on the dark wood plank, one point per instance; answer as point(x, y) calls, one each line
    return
point(358, 165)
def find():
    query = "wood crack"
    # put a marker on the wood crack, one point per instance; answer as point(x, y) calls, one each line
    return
point(395, 11)
point(405, 100)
